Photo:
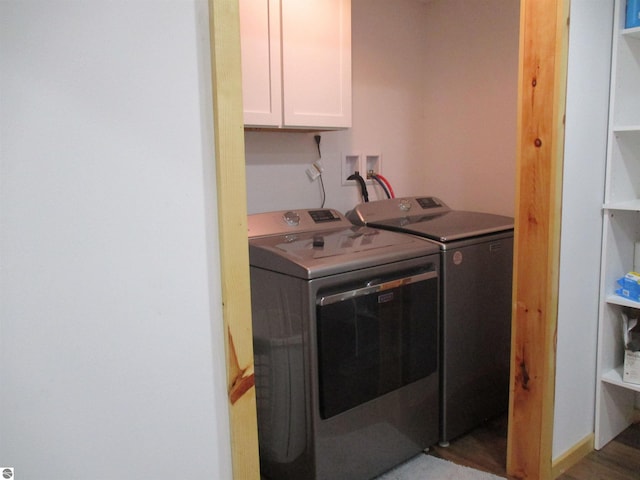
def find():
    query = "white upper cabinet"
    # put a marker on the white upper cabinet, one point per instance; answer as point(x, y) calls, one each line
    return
point(296, 63)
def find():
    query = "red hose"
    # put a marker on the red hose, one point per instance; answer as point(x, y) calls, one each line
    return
point(386, 182)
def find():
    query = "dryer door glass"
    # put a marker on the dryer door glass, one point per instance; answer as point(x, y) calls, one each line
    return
point(375, 338)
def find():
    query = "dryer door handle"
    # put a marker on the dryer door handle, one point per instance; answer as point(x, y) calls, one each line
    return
point(378, 287)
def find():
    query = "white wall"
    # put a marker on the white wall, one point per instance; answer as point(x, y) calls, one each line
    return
point(582, 197)
point(471, 103)
point(112, 357)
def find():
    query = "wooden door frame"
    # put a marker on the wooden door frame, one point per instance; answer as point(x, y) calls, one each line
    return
point(542, 85)
point(232, 224)
point(540, 146)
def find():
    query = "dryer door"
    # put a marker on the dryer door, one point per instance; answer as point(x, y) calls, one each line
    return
point(375, 337)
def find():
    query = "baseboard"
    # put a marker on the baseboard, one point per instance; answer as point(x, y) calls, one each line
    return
point(572, 456)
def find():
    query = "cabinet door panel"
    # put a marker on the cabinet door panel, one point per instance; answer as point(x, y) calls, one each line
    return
point(261, 69)
point(316, 62)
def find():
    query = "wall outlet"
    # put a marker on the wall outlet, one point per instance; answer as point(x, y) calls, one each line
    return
point(350, 165)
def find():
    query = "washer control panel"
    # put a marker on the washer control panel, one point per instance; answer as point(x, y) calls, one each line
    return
point(290, 221)
point(324, 215)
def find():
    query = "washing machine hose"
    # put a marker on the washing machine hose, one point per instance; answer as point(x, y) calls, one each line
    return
point(363, 186)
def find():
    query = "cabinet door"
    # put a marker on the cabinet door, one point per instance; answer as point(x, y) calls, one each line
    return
point(316, 63)
point(261, 69)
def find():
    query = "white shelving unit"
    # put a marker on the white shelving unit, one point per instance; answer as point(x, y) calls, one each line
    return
point(615, 399)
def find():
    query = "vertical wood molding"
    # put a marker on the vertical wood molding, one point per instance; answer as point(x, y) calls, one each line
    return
point(544, 37)
point(226, 77)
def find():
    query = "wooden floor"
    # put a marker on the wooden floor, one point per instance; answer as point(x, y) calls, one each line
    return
point(485, 449)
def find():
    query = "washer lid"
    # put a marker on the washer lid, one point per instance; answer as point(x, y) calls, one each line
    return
point(450, 226)
point(316, 254)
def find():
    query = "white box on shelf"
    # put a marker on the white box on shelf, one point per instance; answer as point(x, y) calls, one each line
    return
point(631, 372)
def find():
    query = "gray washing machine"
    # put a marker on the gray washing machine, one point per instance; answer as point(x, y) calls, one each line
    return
point(476, 275)
point(345, 326)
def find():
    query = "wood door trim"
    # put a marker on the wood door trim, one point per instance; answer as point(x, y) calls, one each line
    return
point(224, 25)
point(544, 34)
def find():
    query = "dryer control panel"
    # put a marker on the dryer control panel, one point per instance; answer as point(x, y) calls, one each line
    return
point(392, 209)
point(430, 202)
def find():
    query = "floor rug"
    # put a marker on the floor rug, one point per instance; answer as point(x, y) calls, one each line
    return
point(427, 467)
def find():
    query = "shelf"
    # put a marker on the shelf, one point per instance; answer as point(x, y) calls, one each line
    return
point(614, 377)
point(626, 129)
point(632, 32)
point(624, 302)
point(630, 205)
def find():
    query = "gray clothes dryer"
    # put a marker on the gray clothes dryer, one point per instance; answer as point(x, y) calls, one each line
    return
point(345, 329)
point(476, 252)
